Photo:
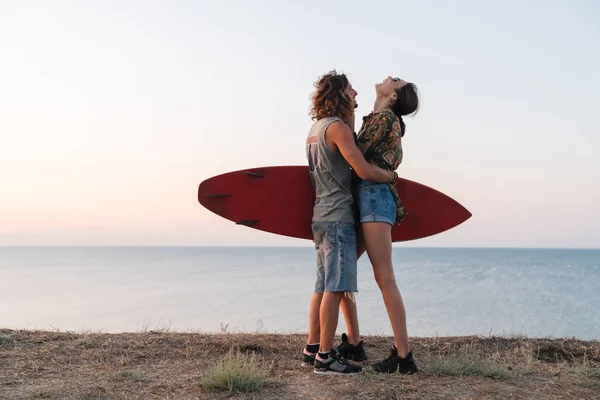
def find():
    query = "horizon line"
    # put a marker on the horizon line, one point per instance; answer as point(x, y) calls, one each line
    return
point(288, 246)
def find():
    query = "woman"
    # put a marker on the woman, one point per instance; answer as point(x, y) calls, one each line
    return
point(379, 206)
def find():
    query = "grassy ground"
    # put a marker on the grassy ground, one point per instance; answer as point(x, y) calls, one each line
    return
point(166, 365)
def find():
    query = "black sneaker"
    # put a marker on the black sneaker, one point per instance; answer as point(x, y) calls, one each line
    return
point(308, 358)
point(350, 351)
point(335, 365)
point(395, 363)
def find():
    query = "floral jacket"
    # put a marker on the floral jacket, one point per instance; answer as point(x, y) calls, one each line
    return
point(380, 141)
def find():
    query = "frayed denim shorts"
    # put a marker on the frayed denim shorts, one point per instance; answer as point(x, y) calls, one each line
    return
point(375, 202)
point(335, 243)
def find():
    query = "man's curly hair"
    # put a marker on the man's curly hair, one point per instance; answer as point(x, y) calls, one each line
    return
point(329, 99)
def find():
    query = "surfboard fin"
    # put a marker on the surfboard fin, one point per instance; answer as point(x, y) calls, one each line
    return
point(248, 222)
point(255, 174)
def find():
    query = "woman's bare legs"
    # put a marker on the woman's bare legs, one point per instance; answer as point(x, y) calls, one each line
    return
point(378, 242)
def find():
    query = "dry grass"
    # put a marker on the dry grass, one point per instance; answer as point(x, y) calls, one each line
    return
point(170, 365)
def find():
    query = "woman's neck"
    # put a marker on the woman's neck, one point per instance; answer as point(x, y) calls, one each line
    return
point(381, 104)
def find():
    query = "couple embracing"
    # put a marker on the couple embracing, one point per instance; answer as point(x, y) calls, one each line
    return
point(355, 208)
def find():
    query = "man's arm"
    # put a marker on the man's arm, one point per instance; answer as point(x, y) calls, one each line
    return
point(340, 135)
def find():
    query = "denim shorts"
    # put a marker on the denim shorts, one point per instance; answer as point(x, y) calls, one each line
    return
point(335, 243)
point(375, 203)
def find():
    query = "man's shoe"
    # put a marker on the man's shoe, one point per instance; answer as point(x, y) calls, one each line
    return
point(352, 352)
point(335, 365)
point(395, 363)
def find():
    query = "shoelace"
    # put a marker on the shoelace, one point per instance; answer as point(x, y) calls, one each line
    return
point(339, 358)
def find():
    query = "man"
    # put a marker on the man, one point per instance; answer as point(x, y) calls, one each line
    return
point(331, 153)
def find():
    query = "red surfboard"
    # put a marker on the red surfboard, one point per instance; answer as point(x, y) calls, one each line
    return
point(280, 200)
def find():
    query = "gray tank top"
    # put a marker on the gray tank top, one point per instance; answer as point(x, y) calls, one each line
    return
point(330, 175)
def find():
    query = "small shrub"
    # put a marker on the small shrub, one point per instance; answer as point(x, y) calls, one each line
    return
point(5, 340)
point(130, 376)
point(236, 372)
point(465, 362)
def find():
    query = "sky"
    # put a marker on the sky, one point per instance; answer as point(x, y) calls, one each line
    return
point(112, 113)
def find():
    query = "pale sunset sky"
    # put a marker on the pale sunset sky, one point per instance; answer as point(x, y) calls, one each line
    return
point(112, 112)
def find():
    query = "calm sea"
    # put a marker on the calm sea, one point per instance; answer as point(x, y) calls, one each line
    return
point(447, 291)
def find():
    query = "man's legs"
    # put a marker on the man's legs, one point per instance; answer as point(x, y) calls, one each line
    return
point(335, 245)
point(314, 328)
point(330, 309)
point(339, 265)
point(320, 309)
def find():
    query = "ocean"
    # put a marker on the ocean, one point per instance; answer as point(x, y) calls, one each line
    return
point(447, 291)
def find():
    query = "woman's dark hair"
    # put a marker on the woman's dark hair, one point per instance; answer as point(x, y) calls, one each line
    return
point(329, 98)
point(407, 103)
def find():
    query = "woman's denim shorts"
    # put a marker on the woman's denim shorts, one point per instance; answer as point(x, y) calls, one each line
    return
point(375, 202)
